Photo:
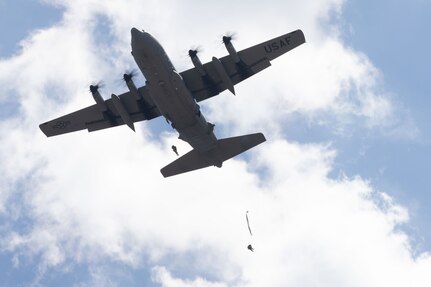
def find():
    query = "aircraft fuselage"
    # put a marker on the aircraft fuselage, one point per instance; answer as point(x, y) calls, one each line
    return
point(169, 92)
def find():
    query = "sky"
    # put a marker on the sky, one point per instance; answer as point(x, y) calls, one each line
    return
point(337, 196)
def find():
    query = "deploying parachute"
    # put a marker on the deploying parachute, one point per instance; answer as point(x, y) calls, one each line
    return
point(249, 247)
point(248, 223)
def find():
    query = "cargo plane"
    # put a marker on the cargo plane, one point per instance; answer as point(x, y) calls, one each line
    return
point(175, 96)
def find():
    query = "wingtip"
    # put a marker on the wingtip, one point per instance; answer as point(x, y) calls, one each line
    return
point(262, 137)
point(302, 34)
point(41, 127)
point(164, 173)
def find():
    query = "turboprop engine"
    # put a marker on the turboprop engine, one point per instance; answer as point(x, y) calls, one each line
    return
point(242, 67)
point(94, 89)
point(227, 41)
point(197, 62)
point(128, 78)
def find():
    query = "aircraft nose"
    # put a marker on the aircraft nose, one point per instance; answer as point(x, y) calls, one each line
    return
point(137, 37)
point(141, 40)
point(135, 32)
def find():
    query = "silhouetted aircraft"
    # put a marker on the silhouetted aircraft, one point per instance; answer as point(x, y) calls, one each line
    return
point(175, 96)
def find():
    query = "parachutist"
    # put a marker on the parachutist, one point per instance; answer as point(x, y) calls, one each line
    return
point(249, 247)
point(174, 148)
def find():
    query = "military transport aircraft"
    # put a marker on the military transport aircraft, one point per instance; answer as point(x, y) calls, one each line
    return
point(175, 95)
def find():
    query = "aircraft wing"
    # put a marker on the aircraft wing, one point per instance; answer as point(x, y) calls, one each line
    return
point(124, 109)
point(253, 60)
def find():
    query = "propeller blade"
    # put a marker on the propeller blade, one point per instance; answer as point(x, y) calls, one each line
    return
point(194, 51)
point(129, 75)
point(94, 87)
point(228, 37)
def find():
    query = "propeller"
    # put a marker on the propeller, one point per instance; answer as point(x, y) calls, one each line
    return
point(129, 75)
point(228, 37)
point(95, 87)
point(194, 51)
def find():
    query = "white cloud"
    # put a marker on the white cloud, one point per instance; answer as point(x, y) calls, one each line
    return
point(100, 197)
point(162, 276)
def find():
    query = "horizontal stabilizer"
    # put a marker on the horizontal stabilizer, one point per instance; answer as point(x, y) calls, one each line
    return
point(224, 150)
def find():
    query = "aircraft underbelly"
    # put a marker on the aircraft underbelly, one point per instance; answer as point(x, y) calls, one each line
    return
point(180, 109)
point(200, 136)
point(174, 101)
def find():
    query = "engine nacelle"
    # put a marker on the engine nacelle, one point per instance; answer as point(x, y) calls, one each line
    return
point(227, 40)
point(197, 62)
point(121, 109)
point(94, 89)
point(221, 71)
point(132, 87)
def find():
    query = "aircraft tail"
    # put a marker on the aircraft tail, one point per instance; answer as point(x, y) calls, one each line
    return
point(225, 149)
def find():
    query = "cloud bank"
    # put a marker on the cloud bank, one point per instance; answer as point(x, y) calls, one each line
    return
point(92, 199)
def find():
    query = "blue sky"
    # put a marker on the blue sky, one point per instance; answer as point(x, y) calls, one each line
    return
point(394, 37)
point(20, 18)
point(389, 158)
